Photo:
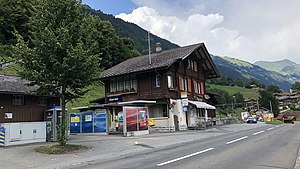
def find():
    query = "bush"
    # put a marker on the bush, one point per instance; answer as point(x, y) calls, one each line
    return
point(275, 121)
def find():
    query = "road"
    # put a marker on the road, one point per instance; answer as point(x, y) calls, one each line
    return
point(267, 147)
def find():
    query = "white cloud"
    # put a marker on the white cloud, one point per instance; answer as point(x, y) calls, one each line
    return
point(248, 30)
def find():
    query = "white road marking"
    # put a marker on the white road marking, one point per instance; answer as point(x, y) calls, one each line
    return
point(270, 128)
point(184, 157)
point(277, 126)
point(258, 132)
point(237, 140)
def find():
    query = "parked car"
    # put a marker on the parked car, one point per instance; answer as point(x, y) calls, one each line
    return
point(251, 120)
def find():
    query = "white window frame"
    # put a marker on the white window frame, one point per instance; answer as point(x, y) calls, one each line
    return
point(170, 82)
point(157, 80)
point(184, 84)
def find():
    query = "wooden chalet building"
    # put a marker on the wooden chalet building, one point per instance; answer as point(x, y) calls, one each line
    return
point(174, 78)
point(18, 103)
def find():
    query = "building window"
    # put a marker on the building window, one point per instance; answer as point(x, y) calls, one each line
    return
point(157, 80)
point(170, 82)
point(113, 85)
point(199, 87)
point(42, 101)
point(133, 83)
point(125, 83)
point(120, 84)
point(18, 100)
point(183, 84)
point(192, 65)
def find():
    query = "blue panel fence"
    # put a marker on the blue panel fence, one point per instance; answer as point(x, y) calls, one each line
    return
point(88, 122)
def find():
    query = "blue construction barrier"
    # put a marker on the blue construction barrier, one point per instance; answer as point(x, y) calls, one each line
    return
point(2, 136)
point(88, 122)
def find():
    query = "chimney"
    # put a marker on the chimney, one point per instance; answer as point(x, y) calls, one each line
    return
point(158, 47)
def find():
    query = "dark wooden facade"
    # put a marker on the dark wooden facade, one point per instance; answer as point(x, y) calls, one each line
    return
point(32, 109)
point(146, 83)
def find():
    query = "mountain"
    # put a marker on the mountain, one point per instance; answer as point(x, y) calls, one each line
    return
point(133, 31)
point(235, 68)
point(284, 67)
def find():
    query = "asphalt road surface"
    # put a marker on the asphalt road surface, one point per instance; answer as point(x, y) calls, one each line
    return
point(267, 147)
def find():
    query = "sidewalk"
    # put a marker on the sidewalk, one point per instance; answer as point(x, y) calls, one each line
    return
point(106, 147)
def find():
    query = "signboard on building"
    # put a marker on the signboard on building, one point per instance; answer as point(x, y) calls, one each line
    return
point(183, 94)
point(185, 102)
point(115, 99)
point(8, 115)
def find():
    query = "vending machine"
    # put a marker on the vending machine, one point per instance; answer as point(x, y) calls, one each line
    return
point(53, 117)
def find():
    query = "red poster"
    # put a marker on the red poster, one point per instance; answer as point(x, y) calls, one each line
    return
point(143, 118)
point(131, 119)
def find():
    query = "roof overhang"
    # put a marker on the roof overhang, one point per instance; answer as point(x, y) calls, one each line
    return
point(202, 105)
point(117, 104)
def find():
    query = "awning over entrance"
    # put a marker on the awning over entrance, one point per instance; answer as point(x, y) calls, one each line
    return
point(202, 105)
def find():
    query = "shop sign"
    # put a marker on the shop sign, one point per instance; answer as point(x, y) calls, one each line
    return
point(184, 108)
point(185, 102)
point(183, 94)
point(115, 99)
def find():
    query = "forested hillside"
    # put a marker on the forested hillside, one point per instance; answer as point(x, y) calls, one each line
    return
point(136, 33)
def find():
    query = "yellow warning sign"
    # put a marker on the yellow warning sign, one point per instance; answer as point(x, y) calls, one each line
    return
point(75, 119)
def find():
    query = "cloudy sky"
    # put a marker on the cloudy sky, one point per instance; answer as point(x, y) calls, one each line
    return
point(249, 30)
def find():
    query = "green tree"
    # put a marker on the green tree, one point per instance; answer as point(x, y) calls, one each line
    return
point(14, 16)
point(273, 89)
point(63, 55)
point(296, 86)
point(239, 82)
point(265, 98)
point(239, 98)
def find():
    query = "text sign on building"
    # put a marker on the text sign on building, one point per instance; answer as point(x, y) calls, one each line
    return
point(115, 99)
point(183, 94)
point(185, 102)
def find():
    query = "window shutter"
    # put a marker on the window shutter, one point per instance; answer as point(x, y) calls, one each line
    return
point(202, 88)
point(195, 86)
point(189, 85)
point(195, 66)
point(180, 83)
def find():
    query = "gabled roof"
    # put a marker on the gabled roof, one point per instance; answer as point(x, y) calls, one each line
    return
point(163, 60)
point(15, 85)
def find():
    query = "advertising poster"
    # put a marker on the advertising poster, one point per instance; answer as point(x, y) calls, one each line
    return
point(143, 118)
point(131, 119)
point(136, 118)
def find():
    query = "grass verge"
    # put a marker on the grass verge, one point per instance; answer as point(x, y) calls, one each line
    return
point(274, 122)
point(57, 149)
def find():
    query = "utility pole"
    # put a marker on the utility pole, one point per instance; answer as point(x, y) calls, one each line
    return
point(271, 106)
point(149, 48)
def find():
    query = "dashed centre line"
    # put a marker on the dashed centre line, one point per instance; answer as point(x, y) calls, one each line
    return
point(209, 149)
point(237, 140)
point(258, 132)
point(184, 157)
